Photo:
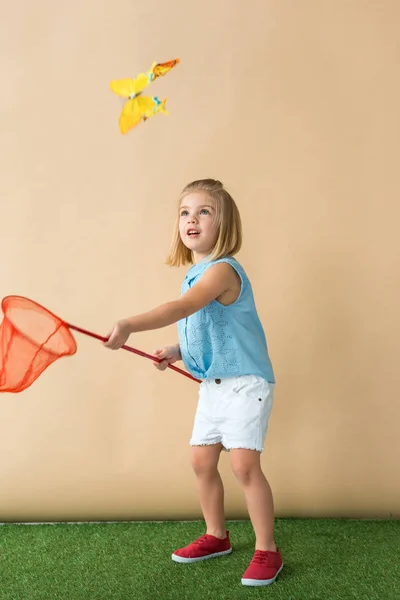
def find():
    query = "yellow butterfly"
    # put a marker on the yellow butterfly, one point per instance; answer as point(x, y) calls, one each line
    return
point(139, 108)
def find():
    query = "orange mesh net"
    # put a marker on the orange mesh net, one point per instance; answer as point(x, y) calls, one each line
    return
point(31, 338)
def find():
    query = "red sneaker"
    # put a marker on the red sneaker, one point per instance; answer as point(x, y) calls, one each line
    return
point(207, 546)
point(264, 568)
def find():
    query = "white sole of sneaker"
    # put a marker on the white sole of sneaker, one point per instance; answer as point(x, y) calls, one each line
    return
point(259, 582)
point(181, 559)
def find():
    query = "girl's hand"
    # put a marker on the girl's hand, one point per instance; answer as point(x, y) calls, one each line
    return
point(118, 336)
point(168, 355)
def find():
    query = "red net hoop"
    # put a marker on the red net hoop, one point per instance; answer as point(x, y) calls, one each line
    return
point(32, 337)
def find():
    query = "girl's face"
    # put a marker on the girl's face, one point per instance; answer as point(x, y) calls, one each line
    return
point(196, 224)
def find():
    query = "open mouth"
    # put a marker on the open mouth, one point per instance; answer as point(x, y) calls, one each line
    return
point(193, 232)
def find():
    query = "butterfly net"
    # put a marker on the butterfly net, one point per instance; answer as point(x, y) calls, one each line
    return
point(31, 338)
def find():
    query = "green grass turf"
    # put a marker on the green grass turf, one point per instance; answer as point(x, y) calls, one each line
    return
point(324, 560)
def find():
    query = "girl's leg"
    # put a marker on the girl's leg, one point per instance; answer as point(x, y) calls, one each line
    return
point(209, 485)
point(247, 468)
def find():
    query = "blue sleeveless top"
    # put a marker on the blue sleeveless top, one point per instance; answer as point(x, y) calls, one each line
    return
point(224, 341)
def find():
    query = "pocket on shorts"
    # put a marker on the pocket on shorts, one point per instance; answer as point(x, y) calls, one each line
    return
point(254, 397)
point(251, 386)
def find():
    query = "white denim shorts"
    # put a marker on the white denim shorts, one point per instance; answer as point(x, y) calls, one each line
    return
point(233, 411)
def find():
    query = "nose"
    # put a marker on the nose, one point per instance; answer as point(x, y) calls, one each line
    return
point(192, 219)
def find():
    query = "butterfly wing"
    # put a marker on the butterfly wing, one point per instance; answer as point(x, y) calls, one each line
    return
point(123, 87)
point(141, 82)
point(161, 69)
point(130, 87)
point(147, 106)
point(161, 106)
point(130, 115)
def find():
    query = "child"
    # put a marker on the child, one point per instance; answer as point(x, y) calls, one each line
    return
point(221, 342)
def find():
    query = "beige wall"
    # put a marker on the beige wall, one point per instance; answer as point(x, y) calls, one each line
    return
point(295, 106)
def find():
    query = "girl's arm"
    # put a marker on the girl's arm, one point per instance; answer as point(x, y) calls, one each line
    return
point(216, 280)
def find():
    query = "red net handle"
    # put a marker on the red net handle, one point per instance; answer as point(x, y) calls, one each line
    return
point(130, 349)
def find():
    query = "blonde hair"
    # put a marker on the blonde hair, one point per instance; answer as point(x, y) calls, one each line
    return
point(227, 220)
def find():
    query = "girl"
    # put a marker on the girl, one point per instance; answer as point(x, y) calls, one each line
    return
point(221, 342)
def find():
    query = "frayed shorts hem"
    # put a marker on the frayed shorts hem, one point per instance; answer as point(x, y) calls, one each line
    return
point(226, 448)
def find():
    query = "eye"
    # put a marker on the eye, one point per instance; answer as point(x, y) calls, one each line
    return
point(184, 213)
point(205, 211)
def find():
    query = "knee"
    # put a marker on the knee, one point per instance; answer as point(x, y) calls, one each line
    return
point(245, 473)
point(203, 467)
